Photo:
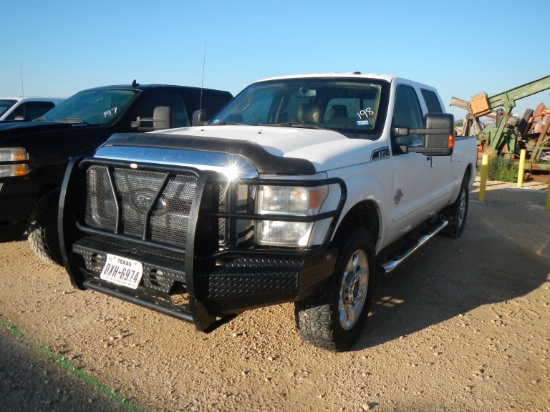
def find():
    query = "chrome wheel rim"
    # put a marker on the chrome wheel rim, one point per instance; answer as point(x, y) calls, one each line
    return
point(353, 290)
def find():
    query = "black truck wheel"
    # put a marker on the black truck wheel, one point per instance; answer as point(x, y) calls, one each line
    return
point(333, 317)
point(456, 213)
point(42, 229)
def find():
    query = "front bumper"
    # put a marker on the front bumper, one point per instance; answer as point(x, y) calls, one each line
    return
point(219, 291)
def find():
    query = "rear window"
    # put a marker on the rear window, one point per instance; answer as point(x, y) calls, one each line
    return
point(432, 102)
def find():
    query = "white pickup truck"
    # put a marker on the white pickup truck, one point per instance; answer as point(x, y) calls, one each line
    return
point(26, 108)
point(302, 189)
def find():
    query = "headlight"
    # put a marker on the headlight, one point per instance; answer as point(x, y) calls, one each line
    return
point(13, 154)
point(288, 200)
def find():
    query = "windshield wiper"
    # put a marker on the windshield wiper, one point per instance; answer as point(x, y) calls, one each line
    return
point(287, 124)
point(229, 124)
point(290, 124)
point(72, 120)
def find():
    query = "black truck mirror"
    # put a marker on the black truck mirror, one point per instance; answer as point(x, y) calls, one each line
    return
point(439, 138)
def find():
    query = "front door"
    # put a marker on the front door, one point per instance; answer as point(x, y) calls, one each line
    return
point(412, 172)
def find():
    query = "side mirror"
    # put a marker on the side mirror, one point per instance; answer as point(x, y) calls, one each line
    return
point(162, 119)
point(200, 117)
point(439, 138)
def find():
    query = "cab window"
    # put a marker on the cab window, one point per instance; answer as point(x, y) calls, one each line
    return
point(406, 113)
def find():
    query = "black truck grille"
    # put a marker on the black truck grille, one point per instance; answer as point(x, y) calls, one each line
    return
point(147, 205)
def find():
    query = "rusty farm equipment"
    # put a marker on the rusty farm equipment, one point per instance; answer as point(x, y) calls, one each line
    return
point(506, 135)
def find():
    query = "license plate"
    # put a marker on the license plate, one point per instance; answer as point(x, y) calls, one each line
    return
point(122, 271)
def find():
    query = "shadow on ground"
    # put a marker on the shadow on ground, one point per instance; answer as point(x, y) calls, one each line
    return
point(503, 254)
point(25, 369)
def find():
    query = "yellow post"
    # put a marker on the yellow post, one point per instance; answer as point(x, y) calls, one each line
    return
point(483, 182)
point(521, 170)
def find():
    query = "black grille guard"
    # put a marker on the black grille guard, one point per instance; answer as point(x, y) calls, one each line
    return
point(71, 226)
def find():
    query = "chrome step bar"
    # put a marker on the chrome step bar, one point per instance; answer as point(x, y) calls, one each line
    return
point(390, 265)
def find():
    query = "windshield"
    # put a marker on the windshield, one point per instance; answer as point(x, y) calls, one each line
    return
point(94, 107)
point(5, 105)
point(350, 106)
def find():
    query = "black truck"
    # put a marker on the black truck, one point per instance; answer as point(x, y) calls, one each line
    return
point(34, 154)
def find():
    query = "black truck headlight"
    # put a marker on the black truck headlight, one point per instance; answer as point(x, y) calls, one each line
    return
point(17, 158)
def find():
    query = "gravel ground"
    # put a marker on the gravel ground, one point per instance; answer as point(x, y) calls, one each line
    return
point(462, 326)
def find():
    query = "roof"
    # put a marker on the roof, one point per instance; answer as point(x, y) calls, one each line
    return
point(386, 77)
point(138, 86)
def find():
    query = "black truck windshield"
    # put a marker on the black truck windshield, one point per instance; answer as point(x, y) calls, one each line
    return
point(349, 106)
point(95, 107)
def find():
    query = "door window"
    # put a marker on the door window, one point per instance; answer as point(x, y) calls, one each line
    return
point(406, 113)
point(173, 100)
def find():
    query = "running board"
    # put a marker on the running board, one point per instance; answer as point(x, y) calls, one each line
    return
point(400, 256)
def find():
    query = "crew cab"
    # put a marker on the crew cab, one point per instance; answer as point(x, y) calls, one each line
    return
point(302, 190)
point(34, 154)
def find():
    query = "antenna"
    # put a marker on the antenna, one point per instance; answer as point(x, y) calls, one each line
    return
point(202, 81)
point(21, 74)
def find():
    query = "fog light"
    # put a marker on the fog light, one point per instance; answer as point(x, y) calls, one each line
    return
point(15, 170)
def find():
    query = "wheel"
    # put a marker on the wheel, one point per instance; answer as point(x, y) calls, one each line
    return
point(332, 318)
point(456, 213)
point(42, 229)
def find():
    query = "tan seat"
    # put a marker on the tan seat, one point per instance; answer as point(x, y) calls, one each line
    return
point(338, 111)
point(309, 113)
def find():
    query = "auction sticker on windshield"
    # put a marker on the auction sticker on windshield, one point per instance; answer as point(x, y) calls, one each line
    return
point(122, 271)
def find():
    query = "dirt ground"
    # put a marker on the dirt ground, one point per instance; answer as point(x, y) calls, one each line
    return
point(464, 325)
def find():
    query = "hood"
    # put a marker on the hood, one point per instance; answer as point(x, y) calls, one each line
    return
point(14, 129)
point(326, 149)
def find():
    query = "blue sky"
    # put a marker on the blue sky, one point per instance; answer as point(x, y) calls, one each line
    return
point(463, 48)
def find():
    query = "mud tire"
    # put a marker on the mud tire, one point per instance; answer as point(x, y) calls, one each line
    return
point(333, 317)
point(42, 229)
